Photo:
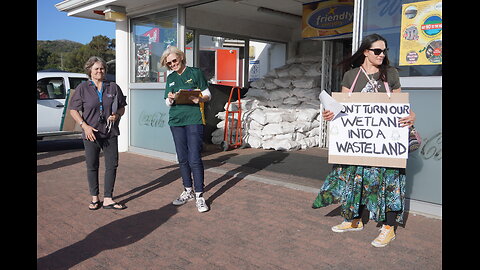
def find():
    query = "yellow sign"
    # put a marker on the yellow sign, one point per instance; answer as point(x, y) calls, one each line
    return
point(327, 18)
point(421, 34)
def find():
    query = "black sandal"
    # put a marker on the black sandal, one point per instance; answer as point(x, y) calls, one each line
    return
point(112, 206)
point(96, 205)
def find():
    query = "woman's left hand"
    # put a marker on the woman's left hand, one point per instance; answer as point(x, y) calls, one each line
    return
point(196, 100)
point(408, 121)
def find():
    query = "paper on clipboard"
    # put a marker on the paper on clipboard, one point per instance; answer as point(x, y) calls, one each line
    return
point(183, 96)
point(329, 103)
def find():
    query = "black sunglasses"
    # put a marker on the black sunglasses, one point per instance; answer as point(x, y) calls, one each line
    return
point(173, 61)
point(378, 51)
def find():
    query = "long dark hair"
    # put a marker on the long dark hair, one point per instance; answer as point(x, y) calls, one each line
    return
point(358, 57)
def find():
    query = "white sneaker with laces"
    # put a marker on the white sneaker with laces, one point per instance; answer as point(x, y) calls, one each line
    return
point(184, 198)
point(387, 234)
point(201, 205)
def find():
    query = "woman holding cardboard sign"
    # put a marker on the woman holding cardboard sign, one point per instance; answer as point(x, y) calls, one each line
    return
point(379, 189)
point(186, 123)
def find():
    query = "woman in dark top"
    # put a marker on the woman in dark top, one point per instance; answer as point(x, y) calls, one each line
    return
point(381, 190)
point(101, 103)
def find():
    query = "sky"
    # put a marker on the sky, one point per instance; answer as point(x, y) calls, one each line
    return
point(54, 25)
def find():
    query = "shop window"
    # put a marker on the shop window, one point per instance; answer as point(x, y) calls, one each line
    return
point(149, 121)
point(385, 18)
point(50, 88)
point(222, 59)
point(151, 34)
point(189, 47)
point(263, 57)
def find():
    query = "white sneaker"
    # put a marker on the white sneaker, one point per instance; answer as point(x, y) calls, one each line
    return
point(184, 198)
point(387, 234)
point(201, 205)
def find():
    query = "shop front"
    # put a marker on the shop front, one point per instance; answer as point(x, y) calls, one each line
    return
point(236, 42)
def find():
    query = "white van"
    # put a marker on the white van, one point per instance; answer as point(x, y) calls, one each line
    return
point(52, 88)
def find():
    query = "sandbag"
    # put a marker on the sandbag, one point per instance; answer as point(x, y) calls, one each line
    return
point(297, 70)
point(278, 128)
point(306, 82)
point(281, 111)
point(283, 82)
point(281, 145)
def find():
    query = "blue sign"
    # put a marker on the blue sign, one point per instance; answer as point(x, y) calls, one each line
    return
point(331, 17)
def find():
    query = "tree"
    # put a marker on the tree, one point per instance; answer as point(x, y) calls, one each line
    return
point(71, 56)
point(50, 54)
point(100, 46)
point(42, 57)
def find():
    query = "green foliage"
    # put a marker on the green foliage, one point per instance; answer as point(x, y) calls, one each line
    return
point(71, 56)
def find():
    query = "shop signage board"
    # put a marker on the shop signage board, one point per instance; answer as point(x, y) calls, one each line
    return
point(421, 33)
point(368, 131)
point(327, 19)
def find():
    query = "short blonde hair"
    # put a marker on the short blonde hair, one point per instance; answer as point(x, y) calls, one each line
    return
point(91, 61)
point(167, 52)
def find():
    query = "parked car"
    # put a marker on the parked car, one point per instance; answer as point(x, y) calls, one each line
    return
point(52, 89)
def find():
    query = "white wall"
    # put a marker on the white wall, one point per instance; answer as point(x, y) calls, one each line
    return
point(224, 23)
point(121, 76)
point(269, 56)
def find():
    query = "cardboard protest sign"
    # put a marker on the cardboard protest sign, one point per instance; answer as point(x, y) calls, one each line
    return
point(368, 131)
point(68, 123)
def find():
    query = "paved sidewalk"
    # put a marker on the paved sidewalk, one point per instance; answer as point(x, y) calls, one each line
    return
point(252, 224)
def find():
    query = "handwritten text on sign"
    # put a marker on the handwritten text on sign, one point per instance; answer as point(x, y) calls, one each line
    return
point(370, 130)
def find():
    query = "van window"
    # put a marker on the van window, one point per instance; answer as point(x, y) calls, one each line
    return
point(74, 82)
point(51, 88)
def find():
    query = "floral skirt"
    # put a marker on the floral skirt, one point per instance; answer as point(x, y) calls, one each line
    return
point(380, 189)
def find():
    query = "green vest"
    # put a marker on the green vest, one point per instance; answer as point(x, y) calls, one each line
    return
point(185, 114)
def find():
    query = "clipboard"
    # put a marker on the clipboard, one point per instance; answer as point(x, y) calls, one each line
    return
point(183, 96)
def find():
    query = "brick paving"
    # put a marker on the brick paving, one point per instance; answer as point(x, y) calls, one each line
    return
point(251, 224)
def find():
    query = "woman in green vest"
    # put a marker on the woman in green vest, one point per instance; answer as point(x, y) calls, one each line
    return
point(186, 123)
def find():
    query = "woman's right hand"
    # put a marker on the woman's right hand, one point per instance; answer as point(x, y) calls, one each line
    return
point(89, 132)
point(327, 115)
point(171, 96)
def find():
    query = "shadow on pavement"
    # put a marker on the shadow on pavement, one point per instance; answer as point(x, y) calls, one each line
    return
point(119, 233)
point(252, 166)
point(59, 144)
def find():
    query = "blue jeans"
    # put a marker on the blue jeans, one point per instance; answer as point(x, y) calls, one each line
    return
point(188, 144)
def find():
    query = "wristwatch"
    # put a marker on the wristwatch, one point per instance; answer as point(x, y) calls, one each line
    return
point(81, 123)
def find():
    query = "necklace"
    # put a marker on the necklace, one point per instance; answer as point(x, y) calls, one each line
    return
point(371, 80)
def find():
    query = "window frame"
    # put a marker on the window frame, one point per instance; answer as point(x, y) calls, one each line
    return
point(131, 47)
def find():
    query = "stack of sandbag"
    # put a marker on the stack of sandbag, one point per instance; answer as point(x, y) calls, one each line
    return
point(280, 111)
